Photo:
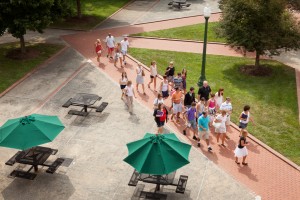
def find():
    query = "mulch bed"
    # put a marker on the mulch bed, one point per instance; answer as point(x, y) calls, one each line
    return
point(253, 70)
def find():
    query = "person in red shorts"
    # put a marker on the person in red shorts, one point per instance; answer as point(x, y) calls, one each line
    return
point(161, 116)
point(98, 48)
point(110, 44)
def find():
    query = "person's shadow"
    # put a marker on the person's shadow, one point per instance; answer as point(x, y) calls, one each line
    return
point(246, 170)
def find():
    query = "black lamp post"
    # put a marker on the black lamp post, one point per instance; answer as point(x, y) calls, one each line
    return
point(206, 15)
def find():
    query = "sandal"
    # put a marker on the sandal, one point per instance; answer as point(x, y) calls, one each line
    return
point(237, 162)
point(244, 163)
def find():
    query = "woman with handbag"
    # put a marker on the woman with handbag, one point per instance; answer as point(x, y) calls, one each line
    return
point(140, 78)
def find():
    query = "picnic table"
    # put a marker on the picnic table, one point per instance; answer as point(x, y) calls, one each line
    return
point(85, 101)
point(167, 179)
point(36, 156)
point(179, 3)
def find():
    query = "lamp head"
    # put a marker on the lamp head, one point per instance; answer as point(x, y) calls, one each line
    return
point(206, 12)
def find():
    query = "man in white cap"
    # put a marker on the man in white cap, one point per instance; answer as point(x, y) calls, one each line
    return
point(124, 48)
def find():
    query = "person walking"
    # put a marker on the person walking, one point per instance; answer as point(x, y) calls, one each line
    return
point(227, 106)
point(245, 118)
point(241, 150)
point(124, 48)
point(129, 92)
point(157, 101)
point(118, 56)
point(110, 44)
point(177, 80)
point(177, 106)
point(221, 129)
point(203, 125)
point(189, 98)
point(164, 87)
point(191, 116)
point(219, 98)
point(153, 75)
point(183, 76)
point(204, 91)
point(98, 49)
point(200, 107)
point(170, 71)
point(140, 77)
point(161, 116)
point(123, 82)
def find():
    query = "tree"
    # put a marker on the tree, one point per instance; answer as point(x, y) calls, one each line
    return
point(18, 16)
point(259, 25)
point(78, 2)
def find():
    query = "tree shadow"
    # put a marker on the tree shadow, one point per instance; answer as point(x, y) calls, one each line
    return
point(45, 186)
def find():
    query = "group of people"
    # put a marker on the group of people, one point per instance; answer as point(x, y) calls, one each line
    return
point(199, 113)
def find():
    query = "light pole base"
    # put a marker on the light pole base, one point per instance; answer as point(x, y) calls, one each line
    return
point(200, 81)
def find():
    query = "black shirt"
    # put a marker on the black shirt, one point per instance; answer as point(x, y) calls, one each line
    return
point(204, 92)
point(189, 99)
point(240, 142)
point(171, 72)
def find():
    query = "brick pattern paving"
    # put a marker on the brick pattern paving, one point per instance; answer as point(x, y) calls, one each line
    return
point(267, 175)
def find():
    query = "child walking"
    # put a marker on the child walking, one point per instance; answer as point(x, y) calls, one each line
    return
point(241, 149)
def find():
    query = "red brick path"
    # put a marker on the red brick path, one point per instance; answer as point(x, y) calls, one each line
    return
point(267, 175)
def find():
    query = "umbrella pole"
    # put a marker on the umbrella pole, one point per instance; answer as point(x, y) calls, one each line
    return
point(157, 185)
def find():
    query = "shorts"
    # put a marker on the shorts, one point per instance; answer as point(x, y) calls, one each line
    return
point(111, 49)
point(221, 129)
point(117, 56)
point(204, 134)
point(170, 78)
point(165, 94)
point(160, 124)
point(177, 107)
point(227, 120)
point(192, 124)
point(99, 52)
point(122, 86)
point(124, 52)
point(153, 76)
point(243, 125)
point(211, 111)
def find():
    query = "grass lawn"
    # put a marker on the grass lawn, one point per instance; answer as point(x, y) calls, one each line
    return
point(191, 32)
point(93, 11)
point(272, 99)
point(13, 70)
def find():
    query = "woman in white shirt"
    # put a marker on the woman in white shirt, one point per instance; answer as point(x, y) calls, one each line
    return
point(221, 130)
point(140, 77)
point(153, 74)
point(219, 98)
point(123, 82)
point(129, 92)
point(158, 100)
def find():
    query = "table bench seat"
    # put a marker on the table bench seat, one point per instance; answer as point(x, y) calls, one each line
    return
point(54, 166)
point(102, 106)
point(181, 184)
point(134, 179)
point(22, 174)
point(76, 112)
point(12, 160)
point(67, 104)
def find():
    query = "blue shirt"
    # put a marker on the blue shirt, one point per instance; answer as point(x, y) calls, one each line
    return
point(203, 121)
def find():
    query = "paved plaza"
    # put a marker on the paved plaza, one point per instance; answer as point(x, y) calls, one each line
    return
point(96, 145)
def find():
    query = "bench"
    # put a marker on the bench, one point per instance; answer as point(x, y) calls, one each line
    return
point(134, 179)
point(76, 112)
point(102, 107)
point(12, 160)
point(67, 104)
point(54, 166)
point(181, 184)
point(22, 174)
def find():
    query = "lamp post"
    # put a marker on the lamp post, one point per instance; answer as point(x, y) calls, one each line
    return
point(206, 15)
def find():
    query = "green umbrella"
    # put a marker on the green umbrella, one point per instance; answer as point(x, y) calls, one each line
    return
point(157, 155)
point(26, 132)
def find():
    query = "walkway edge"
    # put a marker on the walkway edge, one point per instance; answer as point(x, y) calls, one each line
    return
point(280, 156)
point(32, 71)
point(297, 72)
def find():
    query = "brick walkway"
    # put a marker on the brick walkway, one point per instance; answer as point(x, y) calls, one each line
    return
point(267, 175)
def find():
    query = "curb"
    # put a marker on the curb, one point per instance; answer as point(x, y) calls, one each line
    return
point(128, 3)
point(32, 71)
point(272, 151)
